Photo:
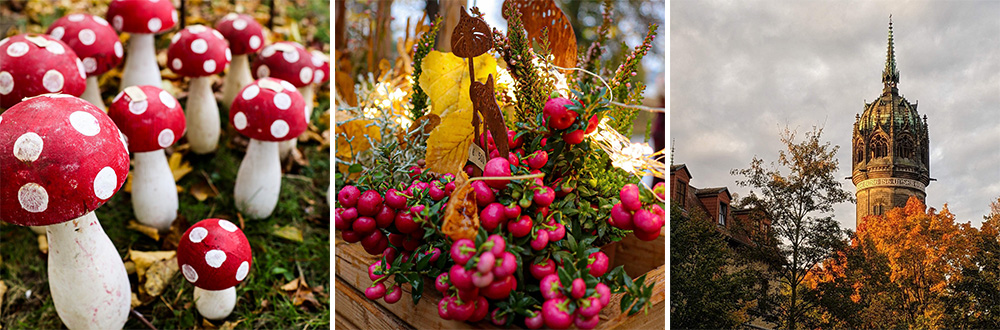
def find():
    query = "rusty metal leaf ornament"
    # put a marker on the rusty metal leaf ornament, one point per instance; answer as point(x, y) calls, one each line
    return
point(461, 216)
point(471, 37)
point(540, 14)
point(484, 101)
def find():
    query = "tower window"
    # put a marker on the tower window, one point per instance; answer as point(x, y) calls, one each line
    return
point(878, 209)
point(880, 147)
point(859, 153)
point(905, 148)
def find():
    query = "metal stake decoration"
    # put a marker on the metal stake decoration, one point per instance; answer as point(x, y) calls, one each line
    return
point(472, 37)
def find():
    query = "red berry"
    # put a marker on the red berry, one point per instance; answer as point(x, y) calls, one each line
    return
point(507, 266)
point(462, 257)
point(521, 227)
point(556, 115)
point(659, 189)
point(364, 225)
point(437, 193)
point(368, 203)
point(621, 217)
point(512, 142)
point(341, 222)
point(604, 293)
point(542, 269)
point(348, 196)
point(592, 124)
point(544, 196)
point(538, 159)
point(396, 239)
point(390, 254)
point(377, 266)
point(404, 223)
point(394, 294)
point(535, 321)
point(449, 187)
point(512, 212)
point(492, 216)
point(496, 319)
point(468, 295)
point(375, 292)
point(482, 309)
point(578, 288)
point(550, 287)
point(587, 323)
point(499, 289)
point(373, 242)
point(646, 236)
point(589, 307)
point(442, 283)
point(385, 216)
point(350, 236)
point(443, 308)
point(469, 169)
point(555, 314)
point(461, 278)
point(541, 239)
point(394, 199)
point(557, 234)
point(630, 197)
point(574, 137)
point(484, 195)
point(646, 221)
point(411, 243)
point(598, 264)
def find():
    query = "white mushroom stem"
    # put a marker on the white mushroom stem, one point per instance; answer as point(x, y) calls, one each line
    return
point(285, 147)
point(237, 78)
point(87, 278)
point(258, 180)
point(140, 64)
point(202, 116)
point(215, 305)
point(93, 93)
point(154, 194)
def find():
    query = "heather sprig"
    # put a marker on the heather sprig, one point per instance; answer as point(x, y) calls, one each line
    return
point(424, 45)
point(515, 48)
point(592, 59)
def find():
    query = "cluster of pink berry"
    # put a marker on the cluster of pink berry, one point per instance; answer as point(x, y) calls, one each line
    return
point(559, 118)
point(589, 299)
point(479, 273)
point(645, 221)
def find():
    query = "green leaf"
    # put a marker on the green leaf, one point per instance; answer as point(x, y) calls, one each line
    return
point(356, 168)
point(626, 302)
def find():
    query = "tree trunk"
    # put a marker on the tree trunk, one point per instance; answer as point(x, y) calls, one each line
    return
point(450, 9)
point(340, 29)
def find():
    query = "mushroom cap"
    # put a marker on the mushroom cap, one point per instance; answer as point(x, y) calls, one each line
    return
point(142, 16)
point(150, 118)
point(214, 255)
point(36, 64)
point(92, 39)
point(269, 109)
point(284, 60)
point(61, 157)
point(242, 31)
point(321, 66)
point(198, 51)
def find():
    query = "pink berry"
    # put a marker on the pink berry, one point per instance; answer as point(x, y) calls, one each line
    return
point(541, 240)
point(486, 262)
point(507, 266)
point(436, 193)
point(496, 319)
point(622, 217)
point(484, 195)
point(377, 266)
point(587, 323)
point(394, 294)
point(348, 196)
point(630, 197)
point(535, 321)
point(375, 292)
point(499, 244)
point(460, 277)
point(604, 293)
point(482, 280)
point(589, 307)
point(558, 233)
point(395, 200)
point(556, 115)
point(521, 227)
point(492, 216)
point(442, 283)
point(462, 250)
point(443, 308)
point(538, 159)
point(368, 203)
point(542, 269)
point(482, 309)
point(550, 287)
point(544, 196)
point(512, 212)
point(599, 264)
point(555, 314)
point(578, 288)
point(646, 221)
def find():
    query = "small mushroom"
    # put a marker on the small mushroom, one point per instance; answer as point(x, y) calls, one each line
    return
point(95, 43)
point(142, 19)
point(267, 111)
point(151, 120)
point(200, 52)
point(321, 67)
point(62, 158)
point(215, 256)
point(36, 64)
point(245, 36)
point(291, 62)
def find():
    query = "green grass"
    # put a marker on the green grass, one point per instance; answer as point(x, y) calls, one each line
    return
point(276, 261)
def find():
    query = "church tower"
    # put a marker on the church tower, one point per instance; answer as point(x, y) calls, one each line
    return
point(890, 148)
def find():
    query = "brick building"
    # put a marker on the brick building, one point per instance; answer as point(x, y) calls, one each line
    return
point(738, 225)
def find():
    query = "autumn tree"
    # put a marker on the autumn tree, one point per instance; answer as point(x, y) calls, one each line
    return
point(709, 287)
point(799, 190)
point(977, 294)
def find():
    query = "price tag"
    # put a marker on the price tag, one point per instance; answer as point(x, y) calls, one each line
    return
point(135, 93)
point(477, 156)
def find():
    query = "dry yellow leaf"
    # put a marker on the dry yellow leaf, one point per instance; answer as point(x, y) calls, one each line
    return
point(291, 233)
point(356, 130)
point(461, 216)
point(147, 230)
point(143, 260)
point(3, 290)
point(158, 276)
point(177, 167)
point(201, 191)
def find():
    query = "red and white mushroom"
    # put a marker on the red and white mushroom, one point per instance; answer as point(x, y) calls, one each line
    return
point(200, 52)
point(36, 64)
point(151, 120)
point(291, 62)
point(61, 158)
point(142, 19)
point(95, 43)
point(215, 256)
point(267, 111)
point(245, 36)
point(321, 67)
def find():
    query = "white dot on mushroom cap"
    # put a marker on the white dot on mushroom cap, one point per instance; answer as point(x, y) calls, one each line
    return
point(176, 63)
point(53, 81)
point(84, 123)
point(76, 17)
point(218, 35)
point(28, 147)
point(6, 83)
point(58, 32)
point(105, 183)
point(55, 48)
point(119, 50)
point(177, 36)
point(254, 42)
point(117, 22)
point(189, 273)
point(241, 273)
point(240, 120)
point(90, 64)
point(209, 66)
point(199, 46)
point(251, 92)
point(282, 101)
point(167, 99)
point(100, 20)
point(230, 16)
point(166, 138)
point(197, 28)
point(306, 75)
point(267, 52)
point(79, 67)
point(290, 56)
point(17, 49)
point(286, 85)
point(317, 61)
point(33, 197)
point(215, 258)
point(87, 37)
point(154, 25)
point(173, 16)
point(198, 234)
point(279, 128)
point(263, 71)
point(228, 226)
point(318, 76)
point(138, 107)
point(229, 55)
point(239, 24)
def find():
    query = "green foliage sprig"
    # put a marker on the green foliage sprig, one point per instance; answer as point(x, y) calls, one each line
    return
point(592, 61)
point(424, 45)
point(515, 48)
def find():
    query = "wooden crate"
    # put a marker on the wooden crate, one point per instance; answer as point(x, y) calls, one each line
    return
point(354, 311)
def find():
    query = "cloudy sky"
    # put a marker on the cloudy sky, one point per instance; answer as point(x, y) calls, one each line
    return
point(740, 71)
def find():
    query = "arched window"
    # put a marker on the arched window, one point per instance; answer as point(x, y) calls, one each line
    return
point(906, 148)
point(878, 209)
point(880, 147)
point(859, 152)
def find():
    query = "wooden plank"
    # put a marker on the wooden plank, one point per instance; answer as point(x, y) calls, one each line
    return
point(357, 313)
point(638, 256)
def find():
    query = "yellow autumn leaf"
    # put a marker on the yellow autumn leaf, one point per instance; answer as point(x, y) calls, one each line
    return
point(144, 259)
point(177, 167)
point(445, 79)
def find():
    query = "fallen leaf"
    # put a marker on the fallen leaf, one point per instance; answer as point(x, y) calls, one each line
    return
point(202, 191)
point(302, 294)
point(288, 232)
point(129, 267)
point(291, 286)
point(537, 15)
point(3, 290)
point(230, 325)
point(351, 138)
point(146, 230)
point(143, 260)
point(135, 300)
point(158, 276)
point(43, 244)
point(461, 216)
point(178, 167)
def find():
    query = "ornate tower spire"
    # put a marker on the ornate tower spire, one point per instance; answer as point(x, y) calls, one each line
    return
point(890, 76)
